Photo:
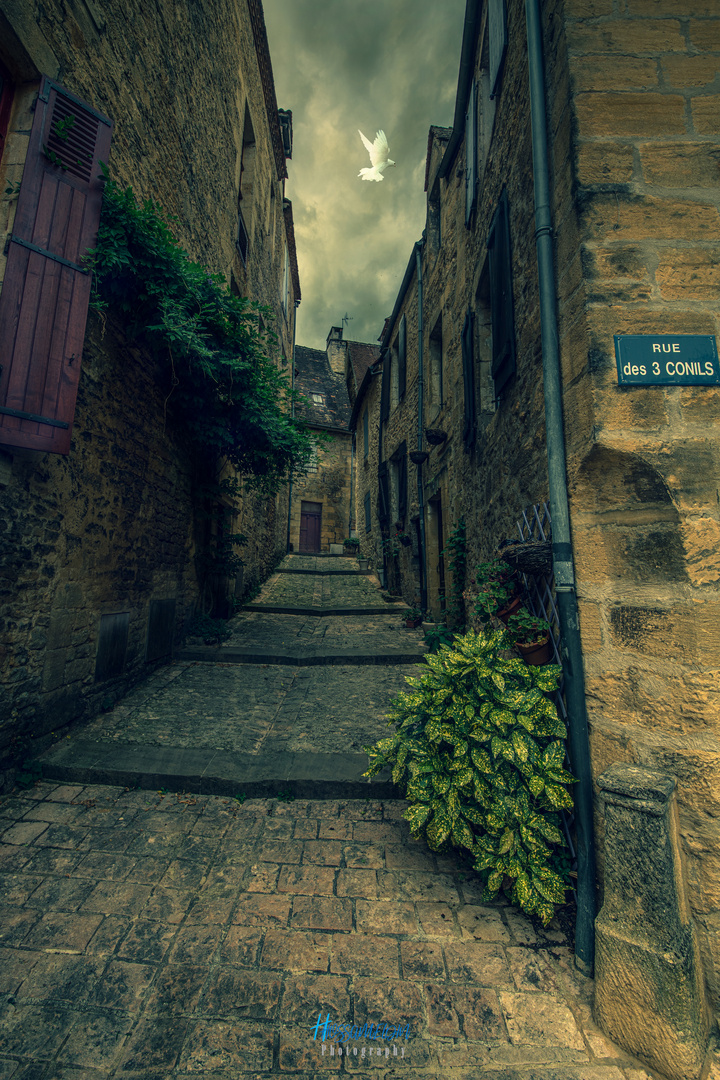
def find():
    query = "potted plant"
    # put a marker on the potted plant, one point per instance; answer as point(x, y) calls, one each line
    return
point(351, 544)
point(478, 752)
point(413, 617)
point(499, 587)
point(362, 563)
point(530, 635)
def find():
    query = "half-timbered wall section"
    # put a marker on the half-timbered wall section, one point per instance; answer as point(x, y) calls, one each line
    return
point(98, 528)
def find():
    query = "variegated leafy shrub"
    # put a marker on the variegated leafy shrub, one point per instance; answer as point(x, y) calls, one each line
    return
point(478, 751)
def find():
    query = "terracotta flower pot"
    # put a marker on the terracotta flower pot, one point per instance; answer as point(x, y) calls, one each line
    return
point(504, 613)
point(536, 653)
point(412, 623)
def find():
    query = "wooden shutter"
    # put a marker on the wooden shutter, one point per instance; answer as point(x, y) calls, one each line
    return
point(468, 380)
point(470, 153)
point(368, 521)
point(402, 357)
point(402, 485)
point(501, 296)
point(383, 494)
point(497, 42)
point(385, 390)
point(46, 290)
point(366, 434)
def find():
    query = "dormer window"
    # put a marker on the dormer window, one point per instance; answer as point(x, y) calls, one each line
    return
point(317, 399)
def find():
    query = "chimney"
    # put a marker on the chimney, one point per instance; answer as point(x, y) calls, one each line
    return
point(336, 350)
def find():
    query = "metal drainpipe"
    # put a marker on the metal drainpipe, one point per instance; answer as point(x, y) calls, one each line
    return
point(421, 504)
point(292, 417)
point(352, 485)
point(562, 548)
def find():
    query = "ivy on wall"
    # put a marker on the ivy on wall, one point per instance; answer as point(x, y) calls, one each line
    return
point(221, 379)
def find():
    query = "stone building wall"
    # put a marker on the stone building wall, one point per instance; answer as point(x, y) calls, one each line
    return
point(327, 483)
point(642, 258)
point(101, 541)
point(631, 97)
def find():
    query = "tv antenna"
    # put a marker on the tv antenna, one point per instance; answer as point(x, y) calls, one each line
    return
point(346, 319)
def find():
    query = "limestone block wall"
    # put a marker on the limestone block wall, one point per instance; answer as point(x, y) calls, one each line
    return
point(112, 528)
point(329, 485)
point(642, 107)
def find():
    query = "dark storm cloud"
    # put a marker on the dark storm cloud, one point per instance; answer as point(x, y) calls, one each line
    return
point(341, 65)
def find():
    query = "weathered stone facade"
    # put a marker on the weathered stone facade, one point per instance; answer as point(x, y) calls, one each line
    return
point(632, 100)
point(98, 570)
point(327, 381)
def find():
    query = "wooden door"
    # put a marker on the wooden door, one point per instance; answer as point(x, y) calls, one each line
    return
point(310, 519)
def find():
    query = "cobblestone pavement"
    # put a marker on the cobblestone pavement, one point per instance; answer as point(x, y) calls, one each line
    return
point(148, 936)
point(386, 633)
point(326, 589)
point(254, 708)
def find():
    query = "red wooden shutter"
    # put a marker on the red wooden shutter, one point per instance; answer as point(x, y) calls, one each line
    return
point(46, 291)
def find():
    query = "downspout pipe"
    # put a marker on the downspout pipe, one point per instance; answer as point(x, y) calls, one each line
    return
point(572, 658)
point(421, 386)
point(292, 417)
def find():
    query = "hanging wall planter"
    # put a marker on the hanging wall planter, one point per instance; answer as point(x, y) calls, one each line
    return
point(435, 436)
point(529, 556)
point(418, 457)
point(509, 610)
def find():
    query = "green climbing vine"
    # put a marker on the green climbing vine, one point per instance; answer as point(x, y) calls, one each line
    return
point(456, 550)
point(221, 379)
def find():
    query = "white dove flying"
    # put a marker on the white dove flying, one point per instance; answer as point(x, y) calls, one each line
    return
point(379, 152)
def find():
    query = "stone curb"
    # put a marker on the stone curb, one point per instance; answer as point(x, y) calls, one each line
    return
point(215, 772)
point(277, 609)
point(228, 654)
point(325, 573)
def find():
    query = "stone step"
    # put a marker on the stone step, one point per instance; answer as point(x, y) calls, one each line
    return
point(279, 609)
point(322, 573)
point(232, 654)
point(206, 771)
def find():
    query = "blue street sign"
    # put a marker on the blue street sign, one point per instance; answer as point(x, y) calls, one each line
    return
point(667, 360)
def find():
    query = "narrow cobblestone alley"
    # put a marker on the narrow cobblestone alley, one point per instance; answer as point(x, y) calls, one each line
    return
point(207, 928)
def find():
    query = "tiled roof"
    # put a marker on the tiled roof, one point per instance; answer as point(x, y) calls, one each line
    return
point(315, 376)
point(362, 356)
point(292, 251)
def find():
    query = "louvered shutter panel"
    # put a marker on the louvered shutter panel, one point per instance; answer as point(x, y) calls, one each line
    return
point(46, 290)
point(385, 391)
point(383, 494)
point(501, 296)
point(497, 42)
point(402, 487)
point(368, 521)
point(470, 154)
point(402, 357)
point(468, 380)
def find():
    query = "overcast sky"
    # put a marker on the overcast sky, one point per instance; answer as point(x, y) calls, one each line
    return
point(340, 65)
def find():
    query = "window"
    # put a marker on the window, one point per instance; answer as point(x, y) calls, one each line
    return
point(385, 391)
point(398, 484)
point(470, 153)
point(401, 357)
point(368, 522)
point(318, 399)
point(312, 465)
point(436, 368)
point(245, 188)
point(434, 219)
point(285, 294)
point(6, 99)
point(468, 380)
point(501, 296)
point(366, 435)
